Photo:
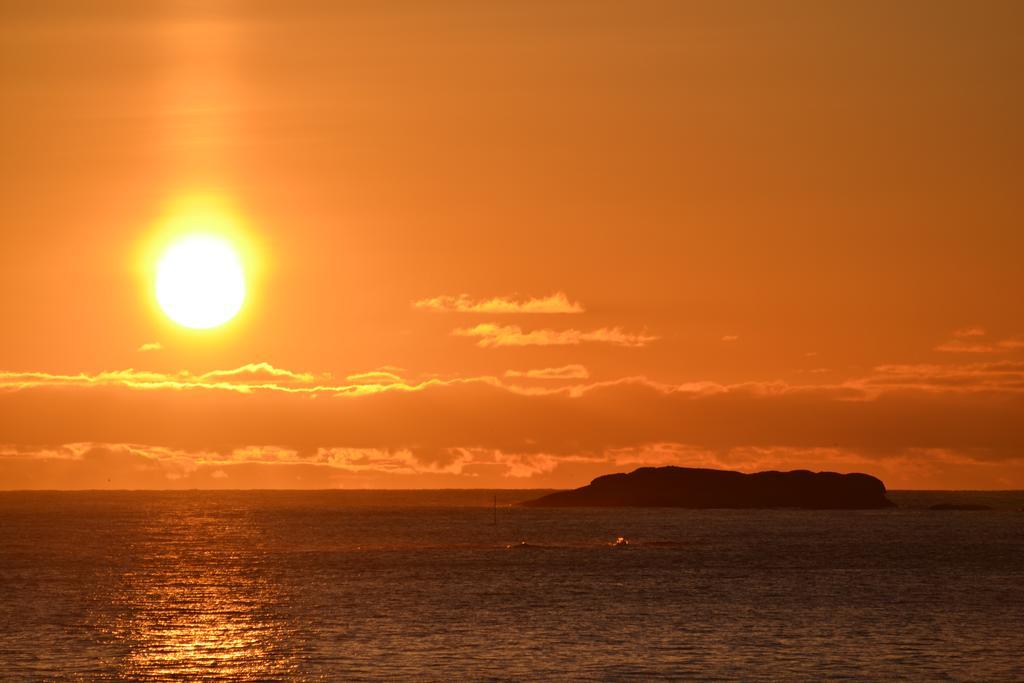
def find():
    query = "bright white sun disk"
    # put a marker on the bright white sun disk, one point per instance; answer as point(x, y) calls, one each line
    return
point(200, 282)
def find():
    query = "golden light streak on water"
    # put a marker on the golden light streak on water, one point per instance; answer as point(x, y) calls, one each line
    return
point(193, 607)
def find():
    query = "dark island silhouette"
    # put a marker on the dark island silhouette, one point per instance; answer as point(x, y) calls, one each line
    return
point(686, 487)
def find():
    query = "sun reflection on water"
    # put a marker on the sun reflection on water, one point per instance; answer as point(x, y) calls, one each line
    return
point(189, 612)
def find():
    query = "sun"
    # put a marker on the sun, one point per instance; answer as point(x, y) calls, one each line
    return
point(200, 282)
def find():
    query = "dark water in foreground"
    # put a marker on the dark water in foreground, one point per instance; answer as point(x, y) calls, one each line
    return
point(348, 585)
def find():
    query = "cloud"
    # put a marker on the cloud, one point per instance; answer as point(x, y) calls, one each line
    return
point(463, 431)
point(263, 378)
point(921, 404)
point(1005, 376)
point(964, 346)
point(99, 466)
point(564, 372)
point(151, 346)
point(256, 373)
point(245, 379)
point(491, 335)
point(968, 340)
point(375, 377)
point(730, 338)
point(553, 303)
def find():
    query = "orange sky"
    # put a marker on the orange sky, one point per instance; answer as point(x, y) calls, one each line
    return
point(515, 245)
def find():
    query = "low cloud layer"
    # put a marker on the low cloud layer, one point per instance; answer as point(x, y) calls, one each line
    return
point(101, 466)
point(486, 429)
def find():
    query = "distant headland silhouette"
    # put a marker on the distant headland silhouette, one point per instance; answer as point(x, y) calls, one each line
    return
point(686, 487)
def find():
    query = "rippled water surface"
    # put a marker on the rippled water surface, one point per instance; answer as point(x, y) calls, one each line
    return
point(425, 585)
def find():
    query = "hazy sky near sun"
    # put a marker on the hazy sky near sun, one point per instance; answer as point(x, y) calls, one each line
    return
point(516, 244)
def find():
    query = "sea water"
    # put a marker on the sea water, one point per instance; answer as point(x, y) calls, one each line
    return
point(446, 585)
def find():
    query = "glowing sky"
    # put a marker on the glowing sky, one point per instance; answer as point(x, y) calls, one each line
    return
point(515, 245)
